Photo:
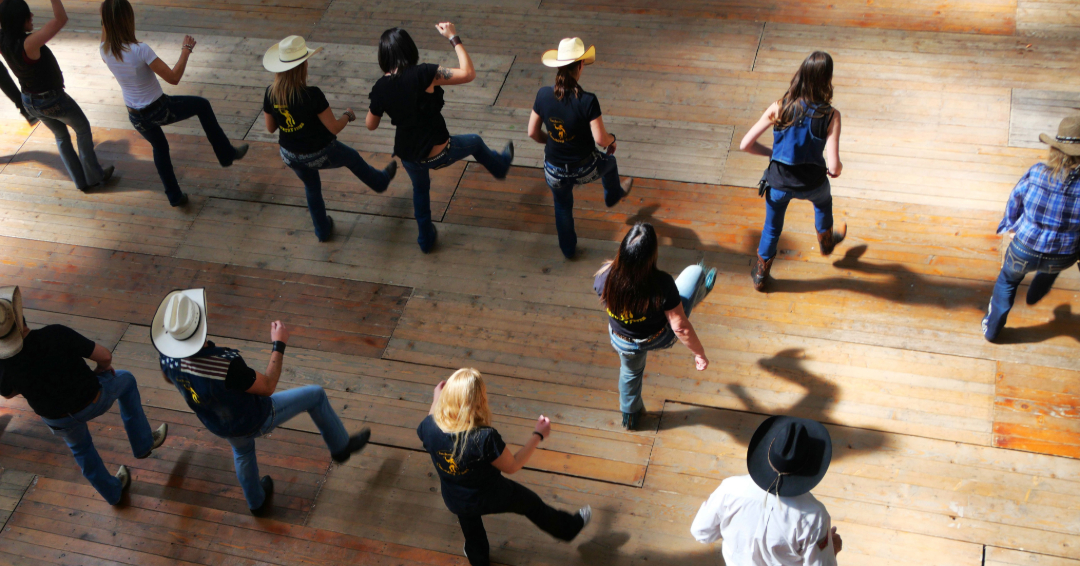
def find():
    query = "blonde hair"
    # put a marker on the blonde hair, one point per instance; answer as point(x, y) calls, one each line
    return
point(289, 85)
point(1061, 164)
point(117, 27)
point(462, 407)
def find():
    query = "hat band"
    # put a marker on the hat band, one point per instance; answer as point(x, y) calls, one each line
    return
point(1067, 139)
point(304, 54)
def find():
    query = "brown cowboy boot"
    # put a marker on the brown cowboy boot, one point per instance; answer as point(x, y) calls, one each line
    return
point(829, 238)
point(760, 273)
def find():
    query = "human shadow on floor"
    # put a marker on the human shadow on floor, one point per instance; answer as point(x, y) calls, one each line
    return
point(4, 420)
point(817, 404)
point(1064, 323)
point(905, 286)
point(105, 150)
point(683, 237)
point(605, 547)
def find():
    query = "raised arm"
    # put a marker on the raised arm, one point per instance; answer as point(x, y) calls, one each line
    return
point(172, 75)
point(686, 334)
point(508, 463)
point(750, 143)
point(266, 384)
point(465, 72)
point(35, 40)
point(832, 146)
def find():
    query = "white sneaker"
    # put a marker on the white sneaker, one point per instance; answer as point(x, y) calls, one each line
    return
point(586, 515)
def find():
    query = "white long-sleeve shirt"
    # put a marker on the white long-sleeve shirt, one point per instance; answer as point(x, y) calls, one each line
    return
point(760, 531)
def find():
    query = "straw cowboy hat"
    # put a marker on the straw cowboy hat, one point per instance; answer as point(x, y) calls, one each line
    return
point(11, 322)
point(1068, 136)
point(287, 54)
point(179, 327)
point(788, 456)
point(571, 50)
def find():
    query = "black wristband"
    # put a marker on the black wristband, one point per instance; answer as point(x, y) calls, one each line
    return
point(279, 346)
point(455, 41)
point(537, 433)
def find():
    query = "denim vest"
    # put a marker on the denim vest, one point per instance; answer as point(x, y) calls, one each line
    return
point(224, 412)
point(797, 144)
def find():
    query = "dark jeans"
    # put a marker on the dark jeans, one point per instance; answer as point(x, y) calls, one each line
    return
point(512, 497)
point(1019, 261)
point(10, 89)
point(419, 171)
point(115, 385)
point(562, 181)
point(174, 109)
point(776, 203)
point(332, 156)
point(58, 112)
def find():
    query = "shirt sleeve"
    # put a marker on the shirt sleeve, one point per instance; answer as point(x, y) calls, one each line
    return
point(592, 111)
point(1014, 209)
point(146, 54)
point(267, 107)
point(7, 388)
point(374, 103)
point(64, 339)
point(494, 446)
point(425, 74)
point(671, 293)
point(536, 103)
point(706, 525)
point(318, 100)
point(816, 531)
point(239, 377)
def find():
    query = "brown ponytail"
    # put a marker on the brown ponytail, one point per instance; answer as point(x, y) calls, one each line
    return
point(565, 81)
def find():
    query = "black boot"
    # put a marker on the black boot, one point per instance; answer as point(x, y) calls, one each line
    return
point(357, 442)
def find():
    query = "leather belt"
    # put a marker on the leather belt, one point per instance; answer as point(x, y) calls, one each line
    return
point(588, 160)
point(149, 107)
point(44, 95)
point(639, 340)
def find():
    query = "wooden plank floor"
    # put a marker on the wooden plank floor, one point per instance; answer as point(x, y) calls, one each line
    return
point(950, 450)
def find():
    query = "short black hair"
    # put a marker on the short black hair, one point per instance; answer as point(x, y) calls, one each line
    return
point(397, 51)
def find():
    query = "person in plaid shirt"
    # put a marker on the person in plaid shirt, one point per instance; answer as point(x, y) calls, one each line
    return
point(1044, 213)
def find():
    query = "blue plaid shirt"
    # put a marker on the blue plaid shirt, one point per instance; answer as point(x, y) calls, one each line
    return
point(1044, 211)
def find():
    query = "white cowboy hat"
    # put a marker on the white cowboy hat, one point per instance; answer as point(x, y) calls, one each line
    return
point(571, 50)
point(11, 322)
point(288, 54)
point(179, 327)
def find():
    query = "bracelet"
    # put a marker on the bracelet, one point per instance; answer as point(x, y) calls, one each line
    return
point(455, 41)
point(278, 346)
point(613, 138)
point(537, 433)
point(190, 48)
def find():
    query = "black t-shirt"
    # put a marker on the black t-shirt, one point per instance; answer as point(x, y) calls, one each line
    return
point(570, 137)
point(302, 132)
point(50, 372)
point(466, 479)
point(417, 114)
point(41, 75)
point(646, 324)
point(805, 177)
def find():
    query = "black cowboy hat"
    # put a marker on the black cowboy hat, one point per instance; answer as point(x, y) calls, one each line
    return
point(788, 456)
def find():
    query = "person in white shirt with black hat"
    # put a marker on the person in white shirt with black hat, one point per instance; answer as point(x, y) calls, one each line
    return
point(234, 401)
point(769, 518)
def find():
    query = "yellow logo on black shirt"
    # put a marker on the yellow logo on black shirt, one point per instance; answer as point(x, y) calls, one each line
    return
point(290, 125)
point(558, 131)
point(449, 465)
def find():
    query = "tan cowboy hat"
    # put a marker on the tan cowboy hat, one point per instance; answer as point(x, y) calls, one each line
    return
point(289, 53)
point(179, 327)
point(571, 50)
point(1068, 136)
point(11, 322)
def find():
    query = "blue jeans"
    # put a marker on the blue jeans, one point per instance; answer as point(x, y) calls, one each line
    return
point(632, 354)
point(776, 203)
point(1019, 261)
point(332, 156)
point(286, 405)
point(57, 113)
point(562, 180)
point(459, 148)
point(171, 110)
point(115, 385)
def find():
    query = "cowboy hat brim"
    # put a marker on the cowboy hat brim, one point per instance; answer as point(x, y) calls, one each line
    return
point(171, 347)
point(12, 341)
point(757, 457)
point(551, 58)
point(272, 59)
point(1070, 149)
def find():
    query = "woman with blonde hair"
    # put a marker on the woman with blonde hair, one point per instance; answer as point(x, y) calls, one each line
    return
point(309, 129)
point(1044, 213)
point(805, 153)
point(471, 457)
point(135, 65)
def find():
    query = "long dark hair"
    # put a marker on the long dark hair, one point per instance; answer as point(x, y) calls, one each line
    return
point(633, 282)
point(565, 83)
point(812, 84)
point(397, 51)
point(13, 17)
point(118, 27)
